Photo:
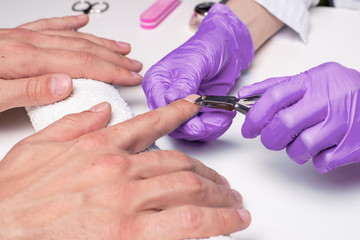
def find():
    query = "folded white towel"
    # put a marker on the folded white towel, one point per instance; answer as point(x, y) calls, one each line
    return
point(87, 93)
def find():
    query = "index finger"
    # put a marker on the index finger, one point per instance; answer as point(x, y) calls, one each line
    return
point(136, 134)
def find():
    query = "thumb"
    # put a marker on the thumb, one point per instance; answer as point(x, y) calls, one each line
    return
point(34, 91)
point(75, 125)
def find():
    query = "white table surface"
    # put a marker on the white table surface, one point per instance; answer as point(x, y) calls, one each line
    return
point(287, 201)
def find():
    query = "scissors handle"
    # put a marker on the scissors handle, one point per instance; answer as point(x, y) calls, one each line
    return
point(99, 7)
point(82, 6)
point(244, 104)
point(86, 7)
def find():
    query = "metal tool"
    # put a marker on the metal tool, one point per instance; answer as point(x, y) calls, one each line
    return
point(87, 7)
point(229, 103)
point(200, 12)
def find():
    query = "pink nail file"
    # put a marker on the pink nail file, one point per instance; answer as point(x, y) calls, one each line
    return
point(157, 12)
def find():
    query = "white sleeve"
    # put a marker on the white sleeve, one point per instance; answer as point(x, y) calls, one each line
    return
point(355, 4)
point(293, 13)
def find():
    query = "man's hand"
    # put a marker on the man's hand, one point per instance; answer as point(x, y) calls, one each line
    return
point(33, 55)
point(77, 179)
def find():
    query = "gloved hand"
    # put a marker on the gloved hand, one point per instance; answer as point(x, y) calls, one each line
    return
point(315, 114)
point(208, 63)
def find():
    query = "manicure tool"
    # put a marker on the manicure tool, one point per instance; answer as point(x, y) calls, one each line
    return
point(157, 12)
point(200, 13)
point(86, 7)
point(229, 103)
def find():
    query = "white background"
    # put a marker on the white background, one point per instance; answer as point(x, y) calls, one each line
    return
point(287, 201)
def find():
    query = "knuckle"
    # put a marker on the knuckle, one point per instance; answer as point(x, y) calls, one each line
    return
point(20, 31)
point(84, 44)
point(86, 58)
point(194, 182)
point(25, 49)
point(42, 23)
point(119, 68)
point(33, 89)
point(92, 140)
point(118, 163)
point(186, 162)
point(71, 119)
point(226, 194)
point(191, 218)
point(153, 120)
point(223, 219)
point(122, 163)
point(216, 176)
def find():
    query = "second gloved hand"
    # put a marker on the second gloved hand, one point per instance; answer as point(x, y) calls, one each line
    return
point(315, 114)
point(207, 64)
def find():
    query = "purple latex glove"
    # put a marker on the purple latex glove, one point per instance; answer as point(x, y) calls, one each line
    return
point(208, 63)
point(315, 114)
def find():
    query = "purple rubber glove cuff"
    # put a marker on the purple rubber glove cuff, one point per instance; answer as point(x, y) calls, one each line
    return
point(208, 63)
point(315, 114)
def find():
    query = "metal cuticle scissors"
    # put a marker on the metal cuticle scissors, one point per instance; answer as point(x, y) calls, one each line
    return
point(229, 103)
point(86, 7)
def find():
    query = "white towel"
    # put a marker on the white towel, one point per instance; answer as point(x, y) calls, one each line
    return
point(87, 93)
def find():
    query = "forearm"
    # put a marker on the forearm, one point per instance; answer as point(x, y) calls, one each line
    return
point(260, 22)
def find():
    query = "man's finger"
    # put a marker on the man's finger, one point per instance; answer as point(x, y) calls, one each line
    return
point(73, 126)
point(184, 188)
point(192, 222)
point(34, 91)
point(116, 46)
point(165, 162)
point(136, 134)
point(62, 23)
point(76, 44)
point(81, 64)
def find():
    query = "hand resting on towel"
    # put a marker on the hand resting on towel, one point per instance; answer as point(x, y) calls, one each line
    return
point(77, 179)
point(39, 59)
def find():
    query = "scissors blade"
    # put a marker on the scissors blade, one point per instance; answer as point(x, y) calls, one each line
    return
point(218, 102)
point(229, 103)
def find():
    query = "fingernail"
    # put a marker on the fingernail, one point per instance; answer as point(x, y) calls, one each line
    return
point(81, 16)
point(59, 84)
point(237, 194)
point(244, 215)
point(136, 62)
point(136, 75)
point(191, 98)
point(122, 44)
point(225, 181)
point(99, 107)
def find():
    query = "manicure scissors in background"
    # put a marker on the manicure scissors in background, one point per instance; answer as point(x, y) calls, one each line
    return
point(229, 103)
point(86, 7)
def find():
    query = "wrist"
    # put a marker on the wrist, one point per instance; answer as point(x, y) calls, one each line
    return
point(232, 31)
point(260, 22)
